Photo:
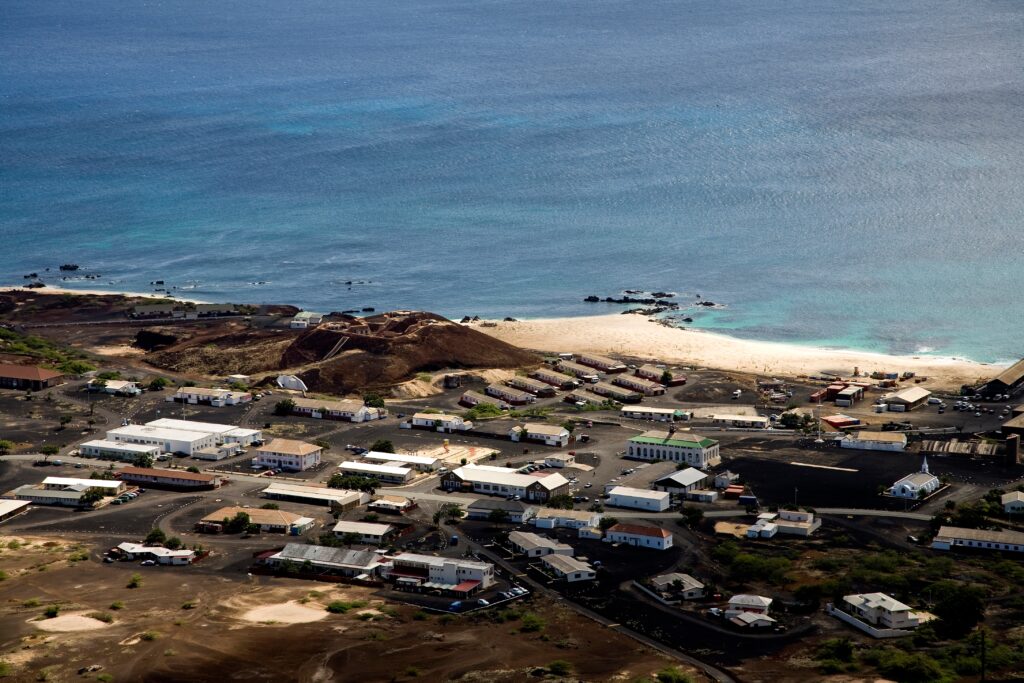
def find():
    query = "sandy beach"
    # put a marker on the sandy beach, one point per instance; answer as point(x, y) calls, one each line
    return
point(639, 337)
point(50, 289)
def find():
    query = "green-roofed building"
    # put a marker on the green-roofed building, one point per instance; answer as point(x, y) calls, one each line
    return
point(683, 447)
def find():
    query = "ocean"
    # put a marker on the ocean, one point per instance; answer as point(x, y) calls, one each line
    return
point(833, 173)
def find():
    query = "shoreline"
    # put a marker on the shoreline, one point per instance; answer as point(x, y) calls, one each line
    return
point(643, 337)
point(51, 289)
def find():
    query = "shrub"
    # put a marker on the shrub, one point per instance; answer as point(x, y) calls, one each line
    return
point(531, 623)
point(135, 581)
point(190, 604)
point(51, 611)
point(104, 677)
point(149, 636)
point(116, 605)
point(340, 606)
point(420, 616)
point(672, 674)
point(31, 602)
point(105, 617)
point(559, 667)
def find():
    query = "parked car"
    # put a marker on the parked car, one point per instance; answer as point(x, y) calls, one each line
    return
point(148, 563)
point(482, 602)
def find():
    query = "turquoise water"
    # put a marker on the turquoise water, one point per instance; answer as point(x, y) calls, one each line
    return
point(846, 174)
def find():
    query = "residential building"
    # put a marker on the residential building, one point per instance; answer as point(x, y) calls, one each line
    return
point(344, 562)
point(653, 372)
point(554, 378)
point(243, 436)
point(336, 499)
point(682, 481)
point(756, 604)
point(170, 479)
point(917, 485)
point(950, 537)
point(1013, 502)
point(509, 395)
point(539, 486)
point(640, 536)
point(908, 399)
point(472, 398)
point(214, 397)
point(157, 311)
point(549, 435)
point(533, 386)
point(617, 393)
point(678, 585)
point(638, 499)
point(878, 609)
point(441, 422)
point(117, 387)
point(875, 441)
point(560, 460)
point(391, 474)
point(534, 545)
point(765, 527)
point(686, 447)
point(215, 453)
point(348, 410)
point(515, 511)
point(639, 384)
point(602, 363)
point(656, 414)
point(582, 373)
point(585, 396)
point(394, 505)
point(420, 463)
point(569, 568)
point(270, 521)
point(367, 532)
point(28, 377)
point(159, 554)
point(288, 454)
point(306, 319)
point(117, 450)
point(458, 576)
point(742, 421)
point(797, 522)
point(12, 508)
point(555, 518)
point(752, 620)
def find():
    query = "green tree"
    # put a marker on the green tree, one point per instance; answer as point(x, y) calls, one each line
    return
point(143, 460)
point(790, 420)
point(6, 446)
point(559, 667)
point(158, 384)
point(173, 543)
point(270, 506)
point(90, 498)
point(959, 608)
point(498, 516)
point(448, 512)
point(673, 674)
point(561, 502)
point(193, 469)
point(75, 367)
point(383, 446)
point(607, 523)
point(65, 420)
point(155, 537)
point(666, 377)
point(50, 449)
point(691, 516)
point(284, 407)
point(237, 524)
point(350, 538)
point(352, 483)
point(373, 400)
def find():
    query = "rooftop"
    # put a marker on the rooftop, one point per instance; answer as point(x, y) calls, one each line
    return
point(439, 561)
point(399, 457)
point(191, 426)
point(30, 373)
point(744, 600)
point(678, 440)
point(314, 492)
point(988, 536)
point(529, 540)
point(566, 564)
point(910, 395)
point(687, 477)
point(917, 479)
point(545, 430)
point(885, 437)
point(161, 433)
point(122, 446)
point(323, 555)
point(89, 483)
point(374, 468)
point(1012, 497)
point(637, 493)
point(256, 516)
point(289, 447)
point(876, 600)
point(640, 530)
point(362, 528)
point(344, 405)
point(666, 580)
point(169, 474)
point(508, 477)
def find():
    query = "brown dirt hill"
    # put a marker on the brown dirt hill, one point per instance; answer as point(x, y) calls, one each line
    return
point(386, 349)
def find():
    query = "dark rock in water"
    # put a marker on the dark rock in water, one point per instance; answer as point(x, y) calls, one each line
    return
point(348, 282)
point(69, 266)
point(687, 319)
point(663, 295)
point(634, 291)
point(368, 309)
point(707, 303)
point(35, 285)
point(157, 282)
point(349, 311)
point(511, 320)
point(590, 298)
point(476, 318)
point(31, 276)
point(466, 319)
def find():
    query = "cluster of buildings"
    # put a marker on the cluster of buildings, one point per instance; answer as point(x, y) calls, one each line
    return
point(182, 437)
point(791, 522)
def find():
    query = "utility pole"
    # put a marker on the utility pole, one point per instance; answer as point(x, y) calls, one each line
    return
point(983, 653)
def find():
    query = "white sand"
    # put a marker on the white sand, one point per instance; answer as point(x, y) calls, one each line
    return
point(285, 613)
point(69, 623)
point(639, 337)
point(51, 289)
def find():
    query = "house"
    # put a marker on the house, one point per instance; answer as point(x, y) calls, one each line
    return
point(1013, 502)
point(28, 377)
point(560, 460)
point(538, 486)
point(117, 387)
point(639, 384)
point(533, 386)
point(569, 568)
point(305, 319)
point(214, 397)
point(584, 396)
point(344, 410)
point(509, 395)
point(394, 505)
point(269, 521)
point(534, 545)
point(514, 511)
point(741, 421)
point(875, 441)
point(752, 620)
point(67, 491)
point(243, 436)
point(950, 537)
point(159, 554)
point(336, 499)
point(797, 522)
point(549, 435)
point(639, 536)
point(366, 532)
point(682, 481)
point(169, 479)
point(420, 463)
point(755, 604)
point(878, 609)
point(1009, 381)
point(412, 571)
point(288, 454)
point(12, 508)
point(554, 378)
point(554, 518)
point(602, 363)
point(908, 399)
point(116, 450)
point(472, 398)
point(326, 560)
point(917, 485)
point(617, 393)
point(692, 449)
point(638, 499)
point(440, 422)
point(661, 375)
point(678, 585)
point(582, 373)
point(216, 453)
point(656, 414)
point(391, 474)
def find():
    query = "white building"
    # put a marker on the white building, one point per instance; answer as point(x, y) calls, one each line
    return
point(534, 545)
point(446, 571)
point(323, 559)
point(743, 421)
point(509, 394)
point(117, 387)
point(305, 319)
point(441, 422)
point(66, 490)
point(1013, 502)
point(346, 410)
point(639, 384)
point(243, 436)
point(917, 485)
point(117, 450)
point(757, 604)
point(288, 454)
point(168, 440)
point(393, 474)
point(421, 463)
point(602, 363)
point(907, 399)
point(638, 499)
point(549, 435)
point(555, 518)
point(639, 536)
point(214, 397)
point(797, 522)
point(656, 414)
point(555, 378)
point(316, 495)
point(752, 620)
point(680, 585)
point(950, 537)
point(515, 511)
point(875, 441)
point(560, 460)
point(682, 481)
point(569, 568)
point(539, 486)
point(581, 372)
point(159, 554)
point(367, 532)
point(692, 449)
point(878, 609)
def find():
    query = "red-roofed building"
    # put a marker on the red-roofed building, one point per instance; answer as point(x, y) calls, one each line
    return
point(640, 536)
point(28, 377)
point(171, 479)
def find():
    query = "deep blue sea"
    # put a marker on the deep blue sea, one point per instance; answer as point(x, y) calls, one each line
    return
point(838, 173)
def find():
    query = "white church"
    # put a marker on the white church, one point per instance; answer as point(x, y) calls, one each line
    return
point(917, 485)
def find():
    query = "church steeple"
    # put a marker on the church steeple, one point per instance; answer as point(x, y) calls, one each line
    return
point(924, 465)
